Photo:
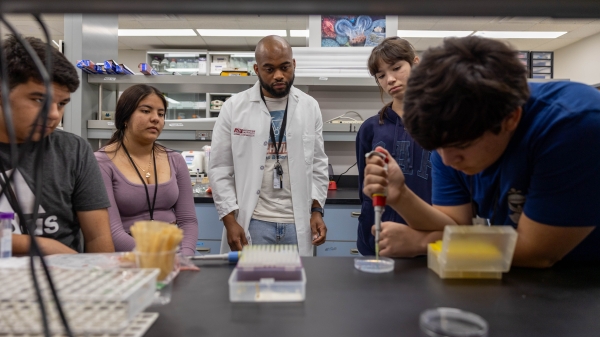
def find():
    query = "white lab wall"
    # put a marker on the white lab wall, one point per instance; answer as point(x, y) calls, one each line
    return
point(579, 61)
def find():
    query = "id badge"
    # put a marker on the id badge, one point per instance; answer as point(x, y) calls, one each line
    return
point(276, 180)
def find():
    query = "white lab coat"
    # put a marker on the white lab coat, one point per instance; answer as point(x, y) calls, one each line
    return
point(238, 154)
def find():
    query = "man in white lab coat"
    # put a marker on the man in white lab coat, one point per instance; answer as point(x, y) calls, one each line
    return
point(268, 168)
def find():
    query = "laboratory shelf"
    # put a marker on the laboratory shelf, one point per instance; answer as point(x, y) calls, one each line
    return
point(173, 83)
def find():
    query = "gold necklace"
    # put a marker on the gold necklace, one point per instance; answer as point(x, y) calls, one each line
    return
point(147, 171)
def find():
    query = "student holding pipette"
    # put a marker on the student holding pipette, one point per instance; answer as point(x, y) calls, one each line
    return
point(391, 63)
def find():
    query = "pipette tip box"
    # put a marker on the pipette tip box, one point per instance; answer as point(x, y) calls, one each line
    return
point(480, 252)
point(268, 273)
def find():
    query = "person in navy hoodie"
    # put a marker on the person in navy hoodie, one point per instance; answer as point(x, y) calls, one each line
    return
point(390, 63)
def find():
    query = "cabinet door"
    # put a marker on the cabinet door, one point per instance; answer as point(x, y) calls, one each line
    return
point(341, 226)
point(209, 226)
point(337, 248)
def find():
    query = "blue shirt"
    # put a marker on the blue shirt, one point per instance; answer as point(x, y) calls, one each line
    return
point(550, 169)
point(412, 158)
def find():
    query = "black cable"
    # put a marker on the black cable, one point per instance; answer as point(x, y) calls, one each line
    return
point(30, 225)
point(338, 179)
point(34, 249)
point(10, 131)
point(39, 167)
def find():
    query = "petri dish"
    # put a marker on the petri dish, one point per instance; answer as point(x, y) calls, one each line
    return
point(371, 264)
point(451, 322)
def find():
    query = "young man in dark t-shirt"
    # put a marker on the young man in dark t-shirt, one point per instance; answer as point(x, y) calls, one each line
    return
point(73, 199)
point(519, 154)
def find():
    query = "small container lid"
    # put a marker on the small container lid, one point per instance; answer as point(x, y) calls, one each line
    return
point(7, 215)
point(450, 322)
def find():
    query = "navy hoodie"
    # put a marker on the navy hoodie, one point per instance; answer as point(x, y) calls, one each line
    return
point(412, 158)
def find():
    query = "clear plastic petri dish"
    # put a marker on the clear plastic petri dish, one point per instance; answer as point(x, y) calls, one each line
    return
point(451, 322)
point(371, 264)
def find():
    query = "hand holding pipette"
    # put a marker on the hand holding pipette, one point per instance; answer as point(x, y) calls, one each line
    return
point(378, 200)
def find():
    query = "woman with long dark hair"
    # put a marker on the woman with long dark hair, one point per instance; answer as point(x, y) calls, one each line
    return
point(390, 63)
point(145, 180)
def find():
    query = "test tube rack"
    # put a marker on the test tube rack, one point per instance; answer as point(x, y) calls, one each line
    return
point(95, 302)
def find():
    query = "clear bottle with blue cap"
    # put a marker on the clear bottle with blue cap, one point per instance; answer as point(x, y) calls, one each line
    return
point(6, 235)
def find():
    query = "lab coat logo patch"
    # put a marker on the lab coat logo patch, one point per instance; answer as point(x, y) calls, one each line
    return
point(242, 132)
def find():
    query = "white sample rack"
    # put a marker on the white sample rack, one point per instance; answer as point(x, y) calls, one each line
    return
point(95, 302)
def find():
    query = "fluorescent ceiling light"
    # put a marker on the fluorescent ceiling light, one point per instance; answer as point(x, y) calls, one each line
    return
point(299, 33)
point(157, 32)
point(519, 35)
point(434, 33)
point(242, 32)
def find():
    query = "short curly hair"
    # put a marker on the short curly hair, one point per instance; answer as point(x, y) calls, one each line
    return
point(462, 89)
point(22, 69)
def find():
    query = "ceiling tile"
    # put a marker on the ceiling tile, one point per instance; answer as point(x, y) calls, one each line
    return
point(211, 18)
point(261, 18)
point(204, 24)
point(159, 17)
point(296, 25)
point(506, 26)
point(569, 21)
point(263, 25)
point(298, 18)
point(556, 27)
point(130, 24)
point(518, 19)
point(224, 41)
point(555, 44)
point(190, 41)
point(583, 32)
point(166, 24)
point(419, 19)
point(453, 25)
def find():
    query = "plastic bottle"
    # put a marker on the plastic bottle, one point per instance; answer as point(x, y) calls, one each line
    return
point(180, 63)
point(197, 184)
point(173, 64)
point(155, 63)
point(164, 64)
point(206, 149)
point(6, 235)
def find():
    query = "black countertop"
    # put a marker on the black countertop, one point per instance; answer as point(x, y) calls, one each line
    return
point(345, 196)
point(341, 301)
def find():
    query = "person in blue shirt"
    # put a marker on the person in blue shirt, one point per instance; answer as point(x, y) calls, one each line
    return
point(517, 154)
point(390, 63)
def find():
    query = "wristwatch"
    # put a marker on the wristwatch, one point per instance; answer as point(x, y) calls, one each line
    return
point(318, 209)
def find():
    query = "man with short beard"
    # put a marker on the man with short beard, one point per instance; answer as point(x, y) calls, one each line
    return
point(268, 168)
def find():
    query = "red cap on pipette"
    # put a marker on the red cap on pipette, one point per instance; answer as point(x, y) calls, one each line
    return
point(379, 199)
